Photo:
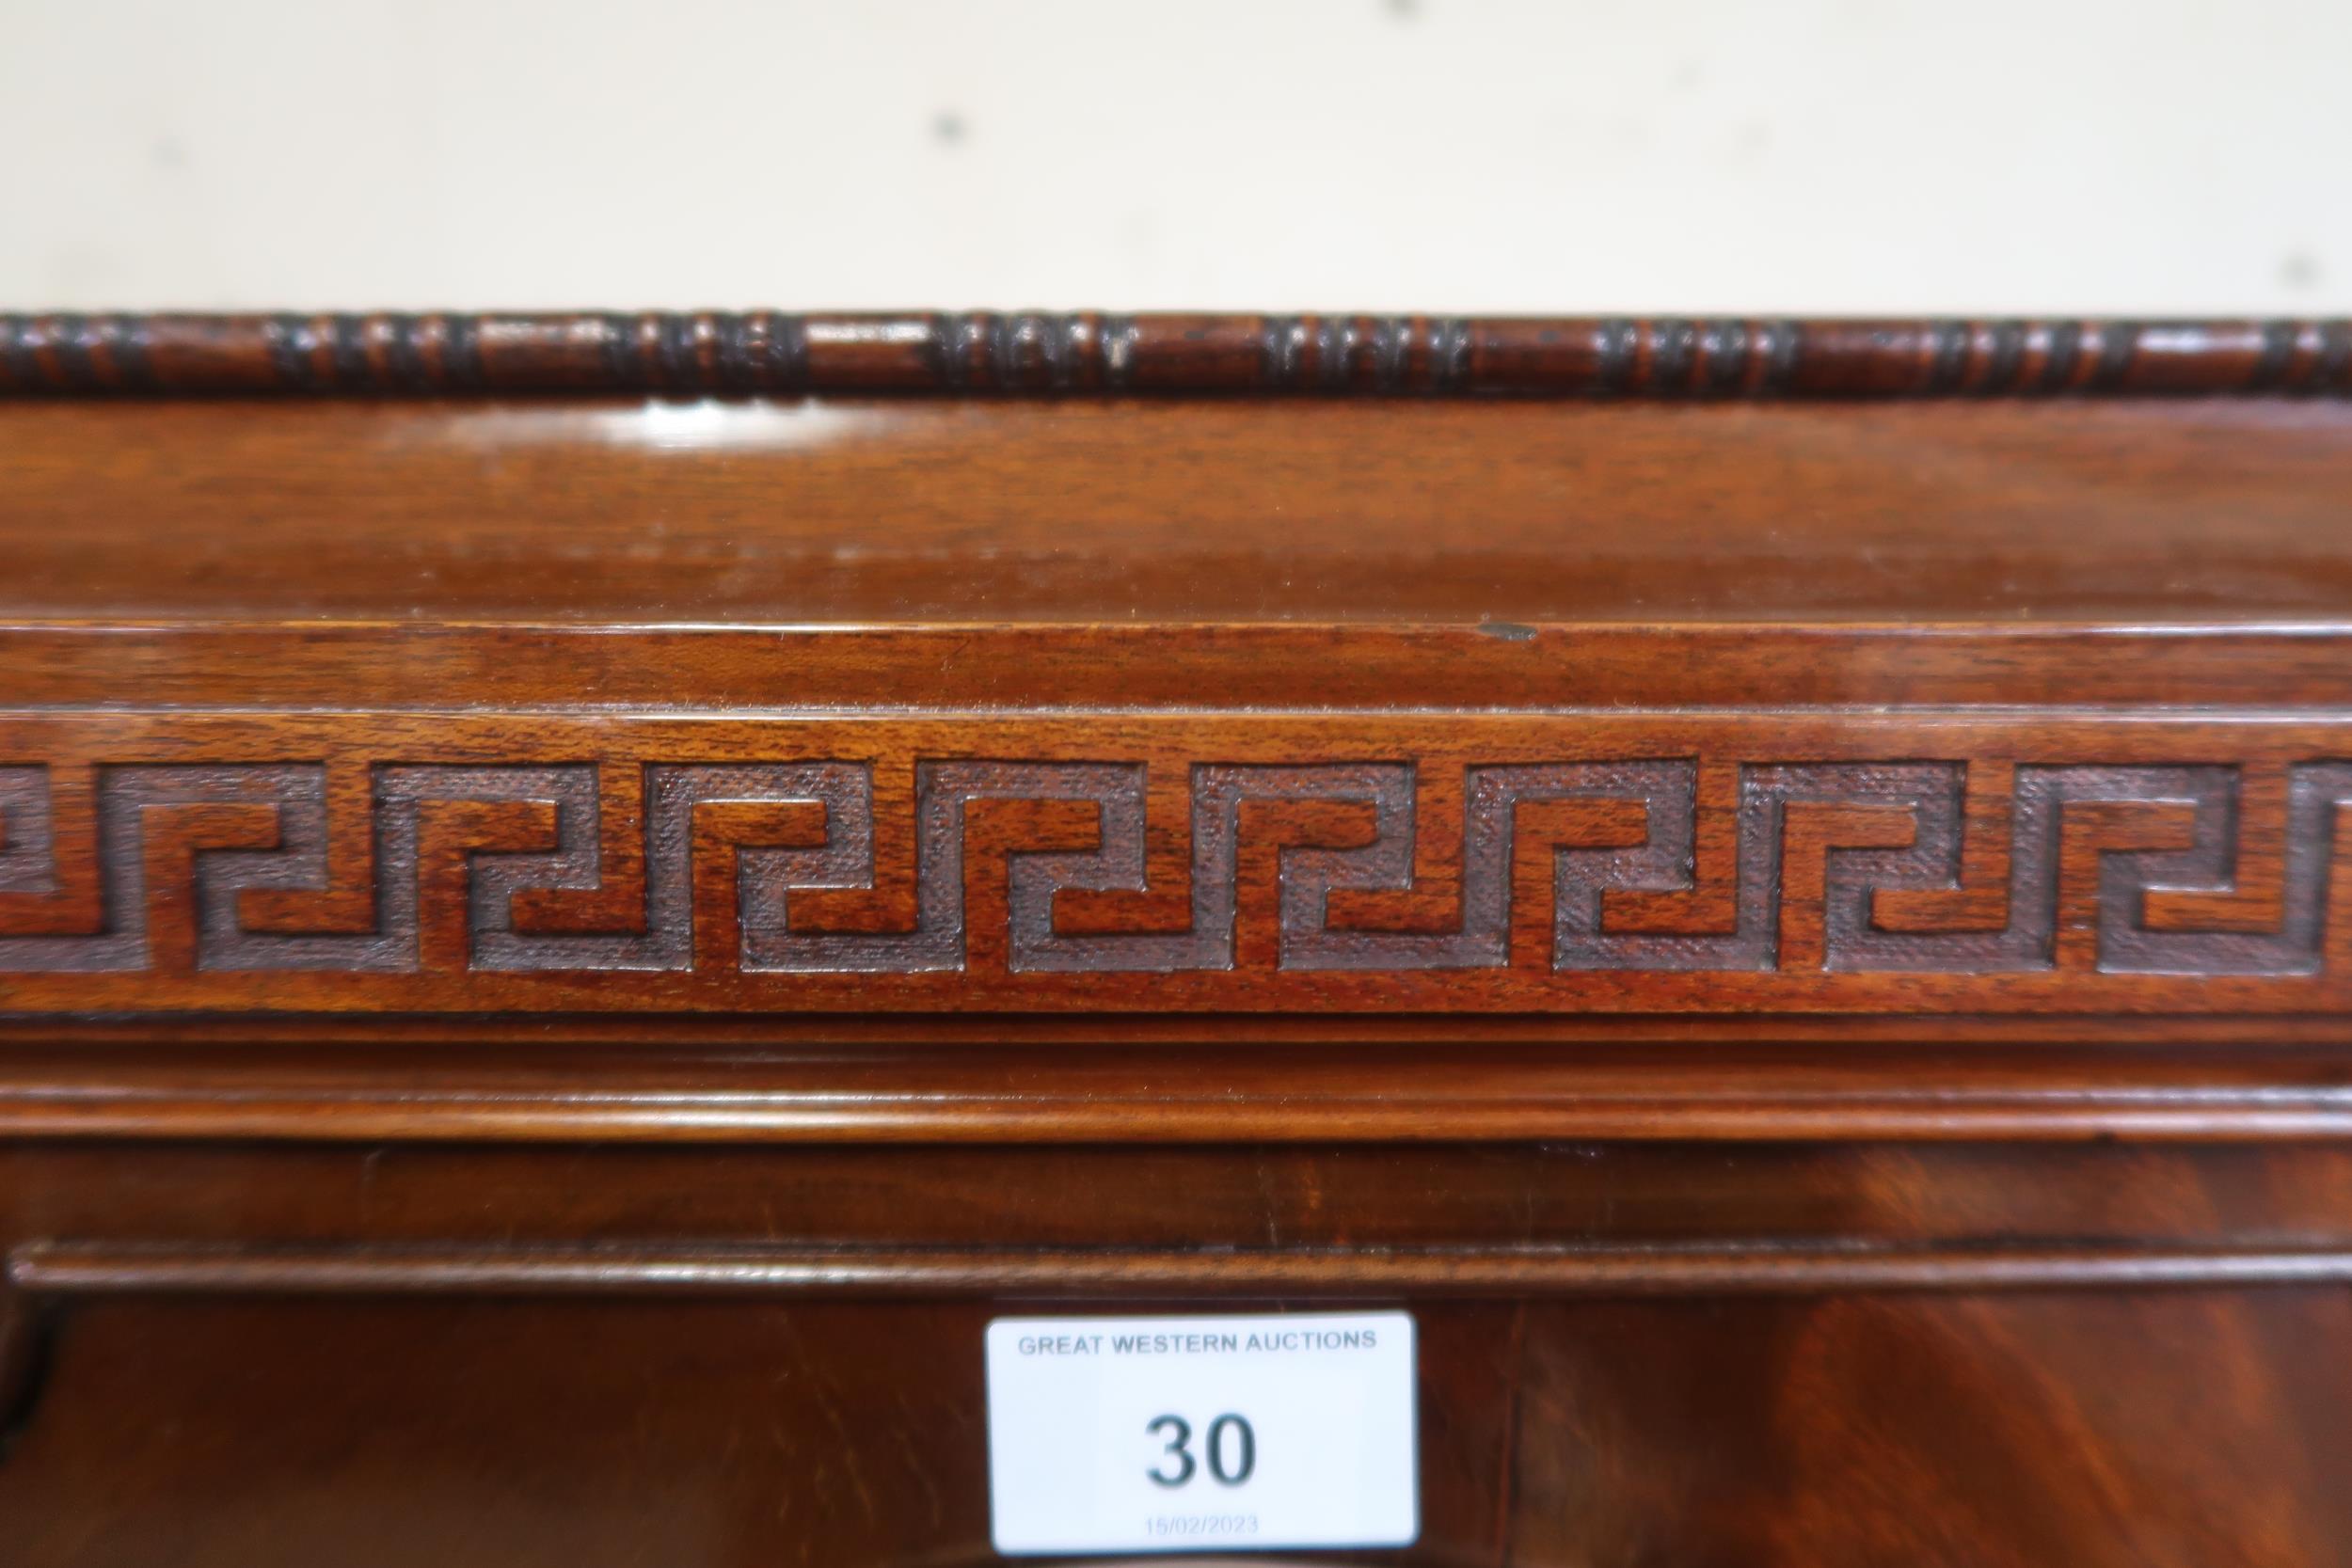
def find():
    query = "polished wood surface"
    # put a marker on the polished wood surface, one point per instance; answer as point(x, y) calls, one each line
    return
point(562, 955)
point(2106, 1431)
point(1816, 1361)
point(1127, 517)
point(1180, 1080)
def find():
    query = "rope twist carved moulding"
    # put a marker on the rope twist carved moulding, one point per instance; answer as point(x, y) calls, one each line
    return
point(1476, 862)
point(1091, 353)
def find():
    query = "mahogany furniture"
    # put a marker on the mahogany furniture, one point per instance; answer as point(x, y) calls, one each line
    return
point(584, 899)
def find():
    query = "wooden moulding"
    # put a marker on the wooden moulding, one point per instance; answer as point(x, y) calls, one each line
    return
point(768, 352)
point(53, 1269)
point(1277, 1092)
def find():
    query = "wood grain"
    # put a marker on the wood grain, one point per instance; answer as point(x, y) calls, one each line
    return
point(1956, 1421)
point(1950, 1433)
point(1109, 521)
point(68, 1269)
point(717, 1197)
point(859, 1088)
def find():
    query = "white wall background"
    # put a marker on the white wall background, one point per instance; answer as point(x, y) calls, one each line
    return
point(2133, 156)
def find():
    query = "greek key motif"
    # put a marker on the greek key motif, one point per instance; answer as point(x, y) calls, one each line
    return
point(794, 868)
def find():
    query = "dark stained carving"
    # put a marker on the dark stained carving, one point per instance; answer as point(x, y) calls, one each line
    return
point(770, 353)
point(1625, 872)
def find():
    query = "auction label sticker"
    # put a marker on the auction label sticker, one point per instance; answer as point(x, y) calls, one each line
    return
point(1189, 1433)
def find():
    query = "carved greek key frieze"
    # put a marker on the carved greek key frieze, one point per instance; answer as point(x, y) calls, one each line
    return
point(1915, 847)
point(1240, 883)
